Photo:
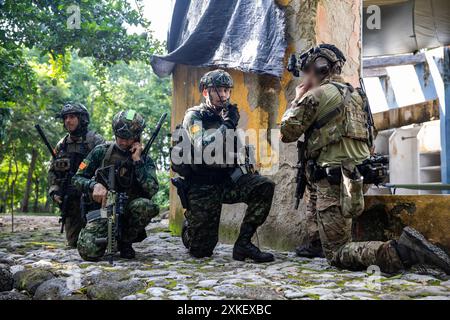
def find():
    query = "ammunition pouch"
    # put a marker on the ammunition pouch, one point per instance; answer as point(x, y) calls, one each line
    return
point(212, 177)
point(95, 215)
point(352, 191)
point(240, 171)
point(182, 190)
point(61, 165)
point(374, 171)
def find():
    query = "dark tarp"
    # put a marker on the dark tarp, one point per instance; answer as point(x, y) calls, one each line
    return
point(241, 34)
point(407, 27)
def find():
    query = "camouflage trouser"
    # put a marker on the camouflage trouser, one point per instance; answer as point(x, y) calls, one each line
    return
point(205, 203)
point(138, 214)
point(336, 236)
point(73, 223)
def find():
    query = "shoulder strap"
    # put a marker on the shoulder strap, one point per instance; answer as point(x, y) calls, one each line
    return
point(64, 143)
point(108, 154)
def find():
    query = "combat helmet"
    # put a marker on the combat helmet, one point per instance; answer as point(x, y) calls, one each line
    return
point(128, 124)
point(216, 78)
point(80, 111)
point(329, 52)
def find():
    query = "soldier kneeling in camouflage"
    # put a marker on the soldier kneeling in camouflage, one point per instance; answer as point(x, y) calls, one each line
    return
point(70, 151)
point(333, 117)
point(134, 176)
point(207, 186)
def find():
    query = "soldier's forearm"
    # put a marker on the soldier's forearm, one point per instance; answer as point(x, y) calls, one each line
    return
point(81, 183)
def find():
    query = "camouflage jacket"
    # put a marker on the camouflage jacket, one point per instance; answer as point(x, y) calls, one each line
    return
point(316, 104)
point(144, 184)
point(72, 152)
point(199, 121)
point(204, 127)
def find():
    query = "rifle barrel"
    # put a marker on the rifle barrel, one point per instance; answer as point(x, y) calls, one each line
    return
point(418, 186)
point(154, 134)
point(45, 140)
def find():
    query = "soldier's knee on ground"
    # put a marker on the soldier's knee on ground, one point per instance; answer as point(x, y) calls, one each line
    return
point(87, 247)
point(202, 244)
point(267, 189)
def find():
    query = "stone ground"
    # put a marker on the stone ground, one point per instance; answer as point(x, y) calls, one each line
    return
point(39, 266)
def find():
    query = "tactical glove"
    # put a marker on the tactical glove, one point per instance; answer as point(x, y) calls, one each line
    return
point(230, 116)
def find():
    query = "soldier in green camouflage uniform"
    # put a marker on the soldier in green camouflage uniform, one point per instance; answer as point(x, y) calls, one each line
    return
point(70, 151)
point(138, 181)
point(331, 115)
point(210, 185)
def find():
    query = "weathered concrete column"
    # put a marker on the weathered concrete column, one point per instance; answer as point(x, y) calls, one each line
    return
point(262, 100)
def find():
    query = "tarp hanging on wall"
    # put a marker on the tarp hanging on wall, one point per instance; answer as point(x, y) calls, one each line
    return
point(407, 26)
point(239, 34)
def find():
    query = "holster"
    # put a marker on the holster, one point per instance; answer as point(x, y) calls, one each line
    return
point(182, 190)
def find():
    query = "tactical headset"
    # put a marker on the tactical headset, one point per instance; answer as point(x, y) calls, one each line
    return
point(303, 62)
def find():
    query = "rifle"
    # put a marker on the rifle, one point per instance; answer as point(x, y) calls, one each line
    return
point(113, 211)
point(300, 179)
point(154, 135)
point(370, 122)
point(45, 140)
point(64, 192)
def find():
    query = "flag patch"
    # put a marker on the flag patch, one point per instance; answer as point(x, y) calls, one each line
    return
point(82, 166)
point(194, 129)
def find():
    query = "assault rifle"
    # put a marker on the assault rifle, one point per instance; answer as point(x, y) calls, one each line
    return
point(62, 168)
point(300, 179)
point(370, 122)
point(113, 211)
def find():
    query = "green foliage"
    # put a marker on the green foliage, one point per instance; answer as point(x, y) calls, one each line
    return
point(49, 26)
point(162, 197)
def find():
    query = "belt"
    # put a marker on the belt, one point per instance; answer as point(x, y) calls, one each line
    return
point(371, 173)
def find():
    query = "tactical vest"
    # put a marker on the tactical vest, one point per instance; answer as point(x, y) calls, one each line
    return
point(125, 180)
point(220, 171)
point(347, 120)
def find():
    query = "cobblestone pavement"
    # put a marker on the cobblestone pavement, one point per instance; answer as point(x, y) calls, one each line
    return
point(43, 268)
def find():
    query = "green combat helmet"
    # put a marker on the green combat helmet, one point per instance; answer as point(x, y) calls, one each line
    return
point(328, 51)
point(216, 78)
point(128, 124)
point(80, 111)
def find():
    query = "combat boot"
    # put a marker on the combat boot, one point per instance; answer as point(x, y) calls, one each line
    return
point(413, 248)
point(244, 248)
point(185, 234)
point(126, 250)
point(310, 250)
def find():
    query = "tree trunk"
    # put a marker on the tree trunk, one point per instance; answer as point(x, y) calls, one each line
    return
point(36, 194)
point(47, 207)
point(26, 196)
point(5, 193)
point(13, 184)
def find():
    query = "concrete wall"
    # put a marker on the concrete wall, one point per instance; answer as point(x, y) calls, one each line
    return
point(262, 101)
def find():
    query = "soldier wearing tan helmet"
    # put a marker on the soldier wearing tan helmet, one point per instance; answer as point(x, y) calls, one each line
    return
point(331, 115)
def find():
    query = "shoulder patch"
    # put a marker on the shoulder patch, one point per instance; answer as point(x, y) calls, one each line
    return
point(83, 164)
point(194, 129)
